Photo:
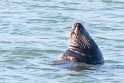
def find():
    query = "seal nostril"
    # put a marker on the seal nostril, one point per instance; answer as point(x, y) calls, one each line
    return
point(78, 24)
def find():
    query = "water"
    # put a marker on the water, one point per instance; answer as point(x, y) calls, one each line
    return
point(35, 32)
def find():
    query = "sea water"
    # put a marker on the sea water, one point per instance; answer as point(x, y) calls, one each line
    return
point(33, 33)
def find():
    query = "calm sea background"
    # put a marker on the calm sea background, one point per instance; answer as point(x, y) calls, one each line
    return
point(35, 32)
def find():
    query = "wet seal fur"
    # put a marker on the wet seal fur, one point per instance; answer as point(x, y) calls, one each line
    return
point(82, 48)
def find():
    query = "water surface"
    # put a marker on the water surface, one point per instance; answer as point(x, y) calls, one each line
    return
point(35, 32)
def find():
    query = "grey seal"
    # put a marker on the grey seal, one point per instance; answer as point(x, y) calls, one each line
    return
point(82, 48)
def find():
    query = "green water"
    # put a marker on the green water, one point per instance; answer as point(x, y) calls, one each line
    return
point(35, 32)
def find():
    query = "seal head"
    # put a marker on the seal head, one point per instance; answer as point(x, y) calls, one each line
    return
point(82, 48)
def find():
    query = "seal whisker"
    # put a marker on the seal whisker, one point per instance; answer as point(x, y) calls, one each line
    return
point(88, 44)
point(85, 41)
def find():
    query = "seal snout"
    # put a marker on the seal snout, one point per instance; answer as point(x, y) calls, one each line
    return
point(78, 26)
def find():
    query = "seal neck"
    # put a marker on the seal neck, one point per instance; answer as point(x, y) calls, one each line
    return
point(75, 47)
